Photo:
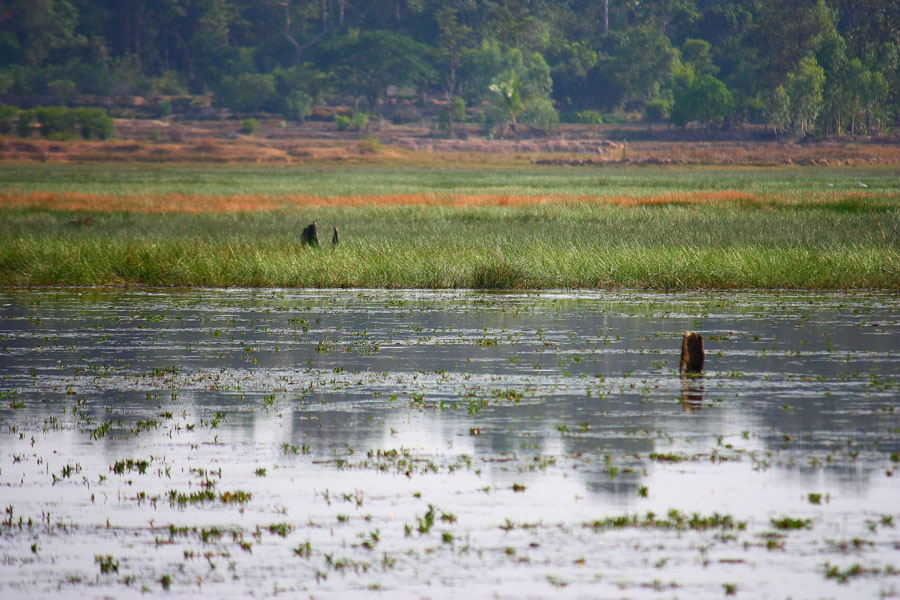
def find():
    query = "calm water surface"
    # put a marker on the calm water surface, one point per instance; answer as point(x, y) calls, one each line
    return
point(406, 444)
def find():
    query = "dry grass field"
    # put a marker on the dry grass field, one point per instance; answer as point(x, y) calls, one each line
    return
point(166, 141)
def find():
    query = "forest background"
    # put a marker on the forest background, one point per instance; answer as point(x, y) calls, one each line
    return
point(825, 67)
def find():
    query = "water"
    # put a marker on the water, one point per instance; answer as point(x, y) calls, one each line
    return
point(408, 444)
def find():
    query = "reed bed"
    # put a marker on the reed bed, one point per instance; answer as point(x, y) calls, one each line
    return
point(497, 229)
point(550, 245)
point(330, 180)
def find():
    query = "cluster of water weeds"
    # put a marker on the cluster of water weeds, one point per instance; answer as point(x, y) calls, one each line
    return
point(440, 444)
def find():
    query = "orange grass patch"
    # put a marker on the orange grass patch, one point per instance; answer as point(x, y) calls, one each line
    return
point(140, 203)
point(198, 203)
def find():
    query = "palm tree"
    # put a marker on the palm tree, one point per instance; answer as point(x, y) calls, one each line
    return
point(509, 102)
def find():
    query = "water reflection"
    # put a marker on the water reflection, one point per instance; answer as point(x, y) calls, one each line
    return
point(562, 404)
point(691, 393)
point(594, 371)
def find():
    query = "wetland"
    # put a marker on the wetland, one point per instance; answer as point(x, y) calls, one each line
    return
point(240, 443)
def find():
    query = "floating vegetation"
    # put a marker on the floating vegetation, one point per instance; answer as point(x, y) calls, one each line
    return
point(107, 564)
point(566, 459)
point(281, 529)
point(791, 523)
point(120, 467)
point(673, 520)
point(856, 570)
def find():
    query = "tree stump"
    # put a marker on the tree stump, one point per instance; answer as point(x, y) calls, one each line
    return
point(692, 356)
point(311, 235)
point(334, 237)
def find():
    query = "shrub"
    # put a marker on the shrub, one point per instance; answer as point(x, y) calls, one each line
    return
point(62, 90)
point(164, 108)
point(297, 105)
point(249, 126)
point(57, 122)
point(8, 117)
point(342, 121)
point(248, 92)
point(540, 114)
point(706, 100)
point(25, 123)
point(168, 84)
point(370, 145)
point(444, 122)
point(358, 122)
point(454, 113)
point(584, 117)
point(657, 110)
point(95, 123)
point(458, 109)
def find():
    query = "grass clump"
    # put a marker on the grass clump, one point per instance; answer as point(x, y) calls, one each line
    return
point(673, 520)
point(107, 564)
point(497, 275)
point(855, 570)
point(791, 523)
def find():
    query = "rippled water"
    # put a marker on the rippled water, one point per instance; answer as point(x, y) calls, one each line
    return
point(238, 443)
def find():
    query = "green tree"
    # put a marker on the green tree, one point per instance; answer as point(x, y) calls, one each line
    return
point(451, 38)
point(698, 53)
point(525, 94)
point(572, 63)
point(95, 123)
point(540, 114)
point(368, 62)
point(508, 103)
point(248, 92)
point(297, 105)
point(32, 30)
point(804, 90)
point(306, 78)
point(706, 99)
point(492, 63)
point(62, 90)
point(786, 31)
point(642, 64)
point(873, 96)
point(832, 56)
point(778, 110)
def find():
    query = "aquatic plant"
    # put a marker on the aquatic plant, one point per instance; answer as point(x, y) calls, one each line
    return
point(791, 523)
point(107, 564)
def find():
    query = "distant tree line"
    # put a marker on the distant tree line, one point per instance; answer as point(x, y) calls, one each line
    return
point(798, 66)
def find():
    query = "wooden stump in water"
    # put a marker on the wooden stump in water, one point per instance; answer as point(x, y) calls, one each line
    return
point(334, 237)
point(311, 235)
point(692, 356)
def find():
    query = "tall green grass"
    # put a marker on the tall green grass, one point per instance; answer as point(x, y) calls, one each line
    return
point(339, 180)
point(851, 245)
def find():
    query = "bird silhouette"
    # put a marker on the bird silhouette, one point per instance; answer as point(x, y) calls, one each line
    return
point(862, 185)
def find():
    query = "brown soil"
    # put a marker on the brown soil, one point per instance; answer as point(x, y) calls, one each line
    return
point(147, 140)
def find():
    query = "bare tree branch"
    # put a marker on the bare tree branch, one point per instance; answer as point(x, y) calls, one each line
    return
point(299, 48)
